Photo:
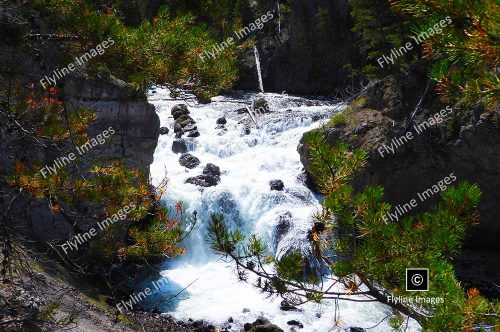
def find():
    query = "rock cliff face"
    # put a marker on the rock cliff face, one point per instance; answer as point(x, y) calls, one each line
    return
point(136, 126)
point(466, 145)
point(136, 123)
point(301, 59)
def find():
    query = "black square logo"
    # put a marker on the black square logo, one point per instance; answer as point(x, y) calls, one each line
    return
point(417, 280)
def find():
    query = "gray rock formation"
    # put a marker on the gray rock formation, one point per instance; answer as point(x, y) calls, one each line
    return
point(467, 146)
point(189, 161)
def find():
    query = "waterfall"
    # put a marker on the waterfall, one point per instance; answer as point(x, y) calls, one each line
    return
point(259, 71)
point(248, 159)
point(279, 17)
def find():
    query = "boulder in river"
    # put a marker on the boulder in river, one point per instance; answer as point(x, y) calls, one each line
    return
point(261, 106)
point(190, 127)
point(221, 121)
point(286, 306)
point(179, 110)
point(261, 325)
point(294, 322)
point(212, 170)
point(189, 161)
point(285, 222)
point(179, 146)
point(203, 181)
point(210, 177)
point(194, 133)
point(164, 131)
point(184, 121)
point(277, 185)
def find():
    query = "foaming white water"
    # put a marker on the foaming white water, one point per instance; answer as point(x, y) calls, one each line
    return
point(248, 162)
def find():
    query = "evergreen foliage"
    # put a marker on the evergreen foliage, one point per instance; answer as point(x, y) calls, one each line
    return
point(163, 51)
point(461, 57)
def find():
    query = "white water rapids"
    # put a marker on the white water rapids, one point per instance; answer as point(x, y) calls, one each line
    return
point(248, 161)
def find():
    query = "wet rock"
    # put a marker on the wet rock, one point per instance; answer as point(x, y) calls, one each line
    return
point(179, 146)
point(184, 121)
point(356, 329)
point(261, 321)
point(261, 106)
point(210, 177)
point(203, 181)
point(212, 170)
point(230, 320)
point(261, 325)
point(266, 328)
point(177, 128)
point(190, 127)
point(189, 161)
point(277, 185)
point(179, 110)
point(286, 306)
point(282, 228)
point(295, 323)
point(164, 131)
point(221, 121)
point(194, 133)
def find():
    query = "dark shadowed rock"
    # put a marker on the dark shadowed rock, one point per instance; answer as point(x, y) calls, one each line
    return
point(190, 127)
point(189, 161)
point(286, 306)
point(295, 323)
point(210, 177)
point(179, 146)
point(164, 131)
point(221, 121)
point(277, 185)
point(282, 228)
point(356, 329)
point(302, 38)
point(266, 328)
point(203, 181)
point(194, 133)
point(261, 325)
point(212, 170)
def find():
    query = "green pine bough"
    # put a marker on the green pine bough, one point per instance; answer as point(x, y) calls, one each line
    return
point(366, 255)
